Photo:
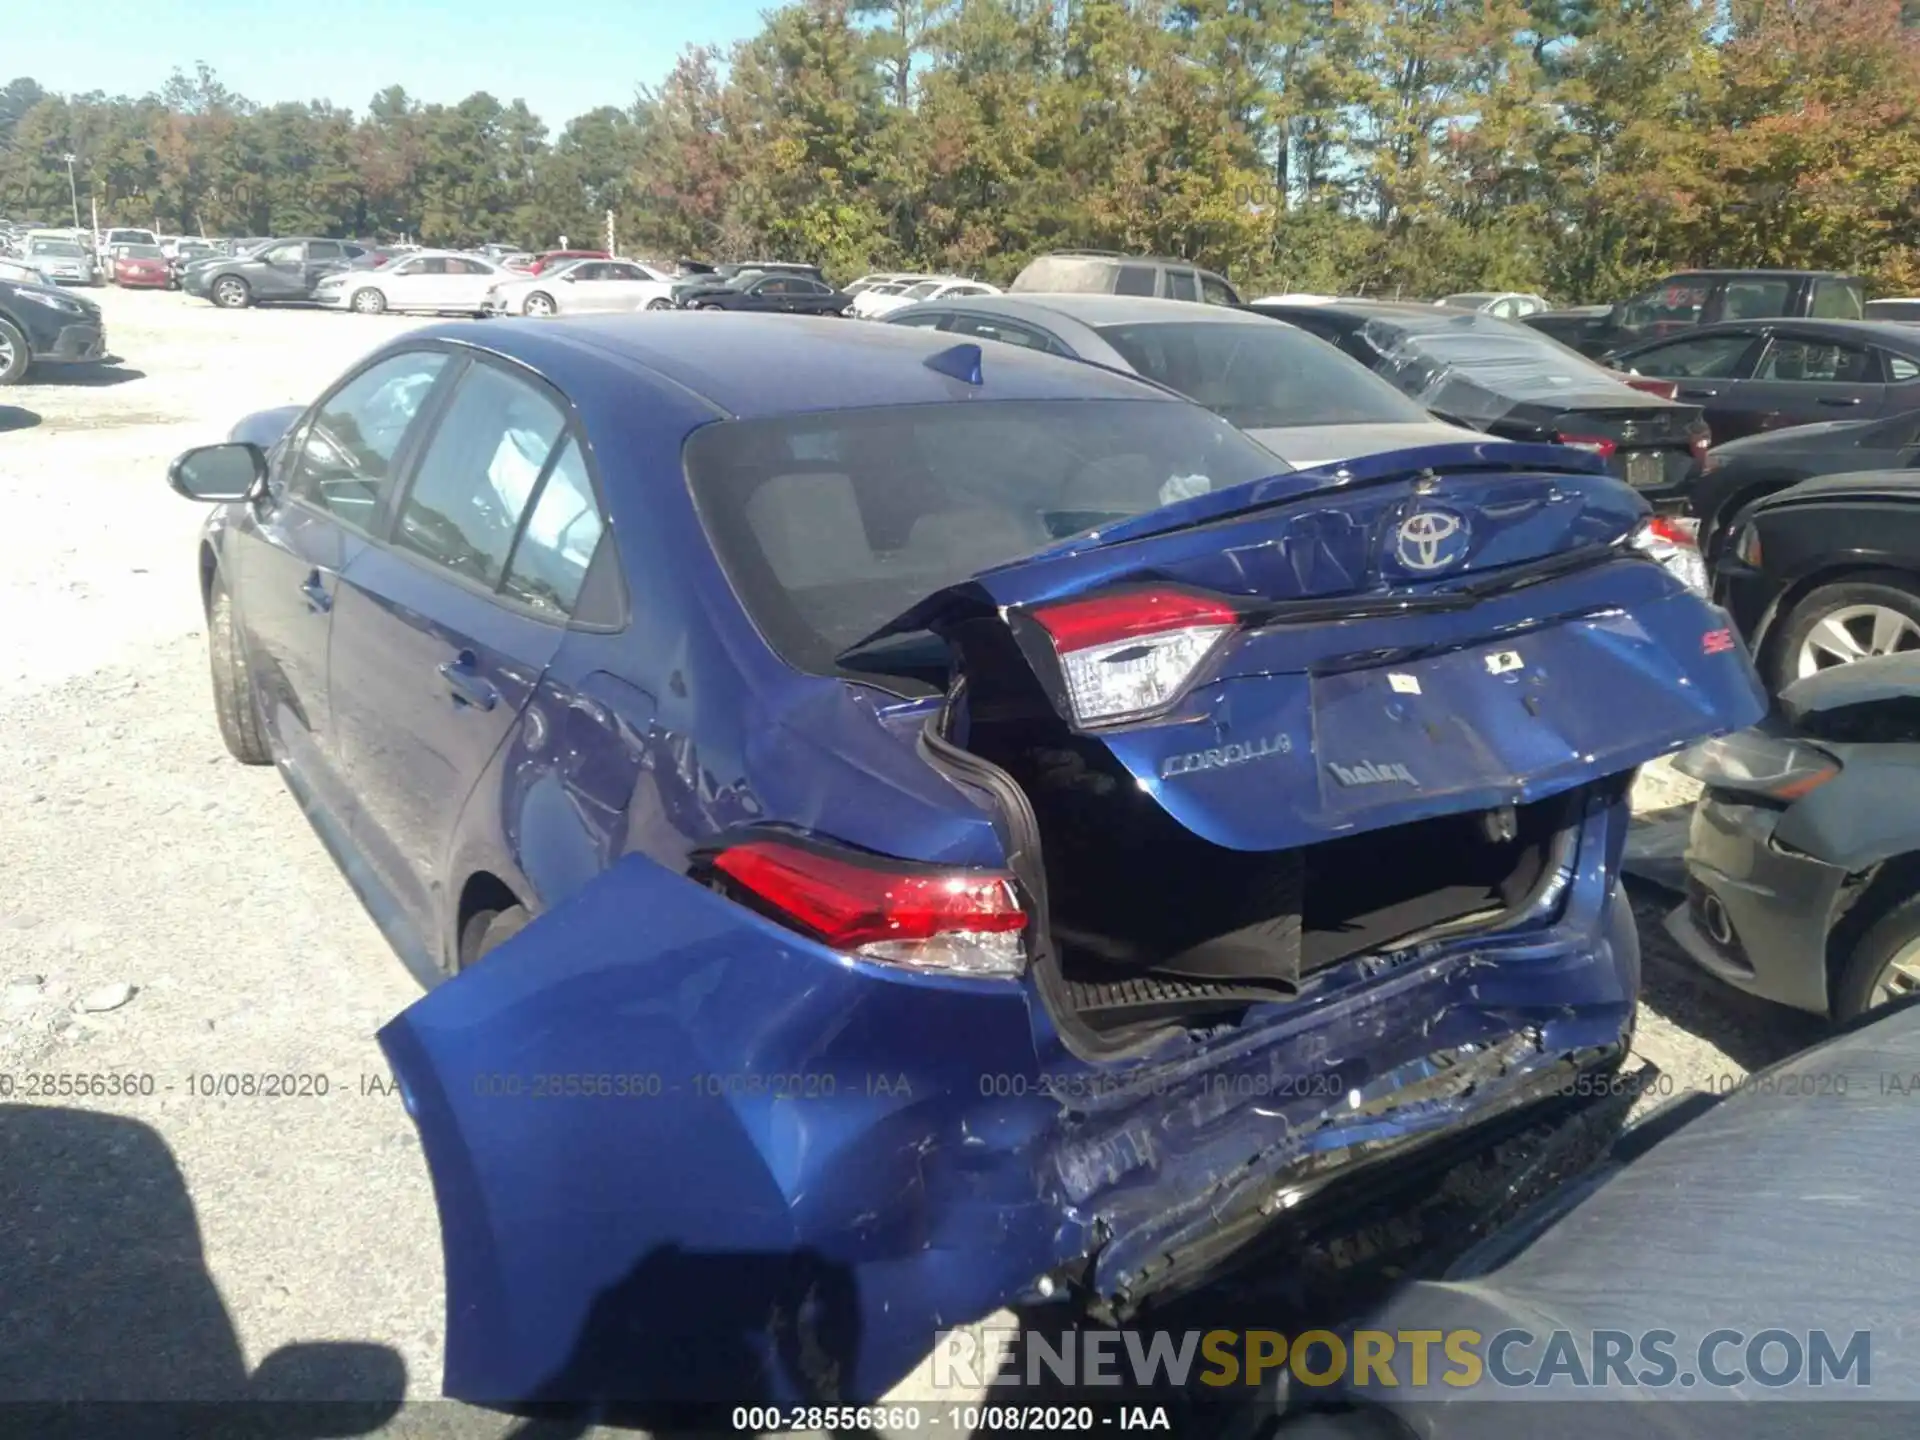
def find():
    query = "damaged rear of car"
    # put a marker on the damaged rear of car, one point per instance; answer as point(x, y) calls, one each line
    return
point(1130, 842)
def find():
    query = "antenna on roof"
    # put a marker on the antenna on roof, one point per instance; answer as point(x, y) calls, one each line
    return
point(962, 362)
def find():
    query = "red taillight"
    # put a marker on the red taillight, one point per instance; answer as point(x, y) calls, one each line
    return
point(1128, 655)
point(1665, 389)
point(969, 921)
point(1675, 529)
point(1592, 444)
point(1077, 624)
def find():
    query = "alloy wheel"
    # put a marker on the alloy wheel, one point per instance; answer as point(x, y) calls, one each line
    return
point(539, 305)
point(1855, 632)
point(7, 356)
point(1901, 978)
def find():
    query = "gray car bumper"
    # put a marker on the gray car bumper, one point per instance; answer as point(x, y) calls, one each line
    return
point(1756, 916)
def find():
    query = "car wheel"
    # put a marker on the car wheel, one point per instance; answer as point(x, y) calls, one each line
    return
point(1838, 624)
point(230, 292)
point(487, 930)
point(659, 304)
point(234, 704)
point(1884, 965)
point(368, 300)
point(540, 303)
point(15, 354)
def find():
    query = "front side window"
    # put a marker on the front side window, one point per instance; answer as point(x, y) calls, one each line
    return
point(345, 462)
point(550, 560)
point(1755, 299)
point(1215, 291)
point(831, 525)
point(1181, 285)
point(290, 253)
point(478, 473)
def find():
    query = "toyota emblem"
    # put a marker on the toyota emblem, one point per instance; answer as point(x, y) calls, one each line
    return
point(1431, 540)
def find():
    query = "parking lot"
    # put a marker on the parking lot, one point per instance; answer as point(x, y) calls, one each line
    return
point(169, 914)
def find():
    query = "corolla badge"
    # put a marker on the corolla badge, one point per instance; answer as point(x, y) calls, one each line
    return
point(1431, 540)
point(1218, 758)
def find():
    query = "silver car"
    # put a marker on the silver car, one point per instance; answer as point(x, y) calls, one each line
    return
point(63, 262)
point(1297, 395)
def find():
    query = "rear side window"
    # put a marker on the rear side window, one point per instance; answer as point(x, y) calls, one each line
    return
point(478, 473)
point(988, 327)
point(1135, 280)
point(1816, 362)
point(1904, 310)
point(1899, 368)
point(1835, 299)
point(550, 558)
point(324, 250)
point(345, 462)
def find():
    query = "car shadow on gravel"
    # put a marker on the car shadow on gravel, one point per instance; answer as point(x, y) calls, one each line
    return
point(109, 1320)
point(12, 417)
point(87, 377)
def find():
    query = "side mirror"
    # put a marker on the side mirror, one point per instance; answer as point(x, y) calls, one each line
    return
point(569, 277)
point(217, 473)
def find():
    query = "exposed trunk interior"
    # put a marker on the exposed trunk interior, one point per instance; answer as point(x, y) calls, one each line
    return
point(1150, 922)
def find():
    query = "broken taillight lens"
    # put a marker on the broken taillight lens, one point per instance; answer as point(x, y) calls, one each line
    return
point(959, 921)
point(1128, 655)
point(1674, 542)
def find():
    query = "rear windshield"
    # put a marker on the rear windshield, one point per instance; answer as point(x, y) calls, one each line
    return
point(1262, 376)
point(1436, 360)
point(831, 525)
point(141, 252)
point(55, 247)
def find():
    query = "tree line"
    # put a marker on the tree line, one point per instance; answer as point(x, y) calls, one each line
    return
point(1574, 147)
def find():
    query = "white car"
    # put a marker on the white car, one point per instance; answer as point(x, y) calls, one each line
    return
point(431, 282)
point(109, 240)
point(582, 287)
point(1508, 304)
point(938, 288)
point(881, 291)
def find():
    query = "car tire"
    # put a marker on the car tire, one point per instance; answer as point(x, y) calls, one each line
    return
point(1892, 939)
point(15, 354)
point(539, 304)
point(1878, 614)
point(369, 300)
point(234, 704)
point(230, 292)
point(487, 930)
point(659, 304)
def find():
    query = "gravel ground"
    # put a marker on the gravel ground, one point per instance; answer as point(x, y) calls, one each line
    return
point(168, 914)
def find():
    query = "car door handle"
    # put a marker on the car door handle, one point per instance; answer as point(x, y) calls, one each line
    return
point(1698, 393)
point(314, 588)
point(1840, 400)
point(467, 685)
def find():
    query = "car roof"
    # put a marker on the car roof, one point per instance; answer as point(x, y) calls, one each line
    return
point(1356, 309)
point(750, 366)
point(1904, 484)
point(1097, 310)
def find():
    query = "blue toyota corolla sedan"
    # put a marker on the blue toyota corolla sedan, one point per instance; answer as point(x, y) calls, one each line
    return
point(912, 828)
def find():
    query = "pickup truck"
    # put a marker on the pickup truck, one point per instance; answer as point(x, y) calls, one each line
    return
point(1701, 297)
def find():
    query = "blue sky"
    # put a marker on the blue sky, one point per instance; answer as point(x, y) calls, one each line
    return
point(561, 58)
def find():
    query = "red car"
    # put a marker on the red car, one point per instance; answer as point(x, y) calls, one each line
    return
point(547, 259)
point(141, 267)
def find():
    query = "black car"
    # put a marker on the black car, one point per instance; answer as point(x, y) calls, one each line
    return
point(1801, 879)
point(797, 294)
point(1750, 377)
point(279, 271)
point(1724, 1272)
point(1825, 572)
point(1502, 378)
point(734, 270)
point(1735, 474)
point(1684, 302)
point(41, 325)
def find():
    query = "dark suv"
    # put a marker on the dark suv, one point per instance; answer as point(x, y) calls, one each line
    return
point(1705, 297)
point(281, 270)
point(40, 325)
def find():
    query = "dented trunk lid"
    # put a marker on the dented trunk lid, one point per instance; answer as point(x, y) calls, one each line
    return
point(1408, 646)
